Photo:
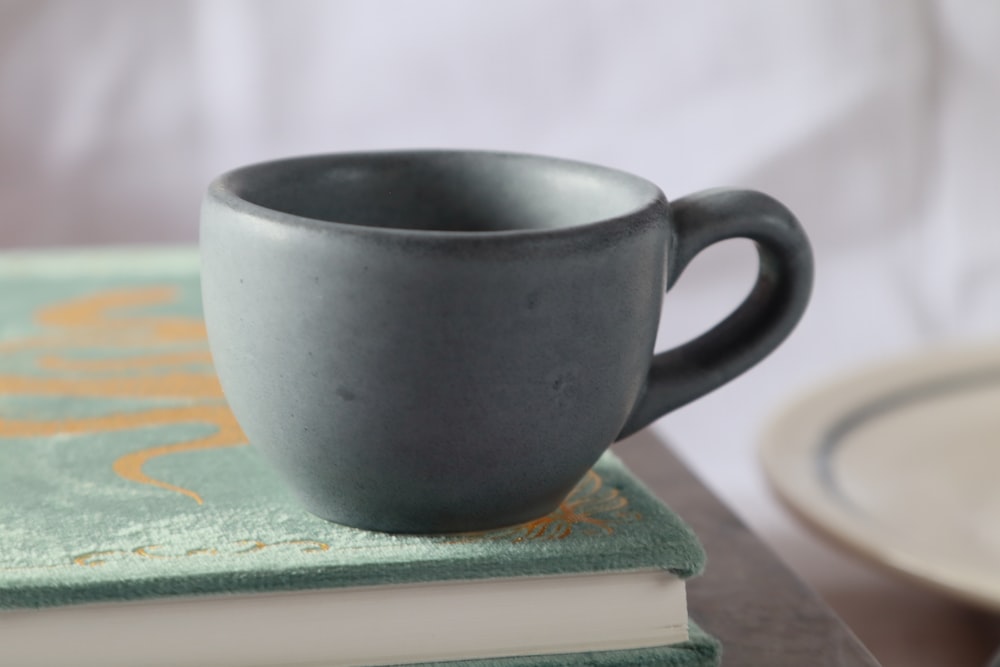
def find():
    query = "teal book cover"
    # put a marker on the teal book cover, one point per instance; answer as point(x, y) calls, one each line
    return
point(123, 475)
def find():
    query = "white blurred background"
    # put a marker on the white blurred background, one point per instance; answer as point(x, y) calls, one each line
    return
point(878, 123)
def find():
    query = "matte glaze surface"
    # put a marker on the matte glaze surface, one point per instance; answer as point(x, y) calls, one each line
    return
point(447, 341)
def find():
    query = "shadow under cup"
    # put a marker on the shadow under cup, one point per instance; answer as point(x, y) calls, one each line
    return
point(435, 341)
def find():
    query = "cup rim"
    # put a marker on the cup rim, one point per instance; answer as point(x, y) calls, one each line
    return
point(221, 190)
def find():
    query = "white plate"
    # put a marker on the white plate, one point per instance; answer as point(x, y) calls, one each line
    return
point(901, 464)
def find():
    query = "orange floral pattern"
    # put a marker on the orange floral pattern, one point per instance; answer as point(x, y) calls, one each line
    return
point(591, 508)
point(151, 357)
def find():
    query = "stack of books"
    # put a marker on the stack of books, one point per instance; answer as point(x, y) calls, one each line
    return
point(138, 529)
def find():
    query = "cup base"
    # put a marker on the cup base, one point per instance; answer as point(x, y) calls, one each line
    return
point(440, 525)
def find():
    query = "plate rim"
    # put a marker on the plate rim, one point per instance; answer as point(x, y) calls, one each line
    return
point(789, 450)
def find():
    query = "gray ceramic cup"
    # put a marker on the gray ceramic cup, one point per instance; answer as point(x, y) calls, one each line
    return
point(442, 341)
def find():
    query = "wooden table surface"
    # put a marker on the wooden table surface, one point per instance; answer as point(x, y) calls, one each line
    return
point(764, 614)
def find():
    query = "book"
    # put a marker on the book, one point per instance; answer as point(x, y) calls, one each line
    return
point(138, 529)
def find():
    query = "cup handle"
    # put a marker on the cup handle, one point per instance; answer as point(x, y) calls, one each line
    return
point(758, 325)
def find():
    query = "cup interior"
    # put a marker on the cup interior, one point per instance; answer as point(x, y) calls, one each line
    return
point(450, 191)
